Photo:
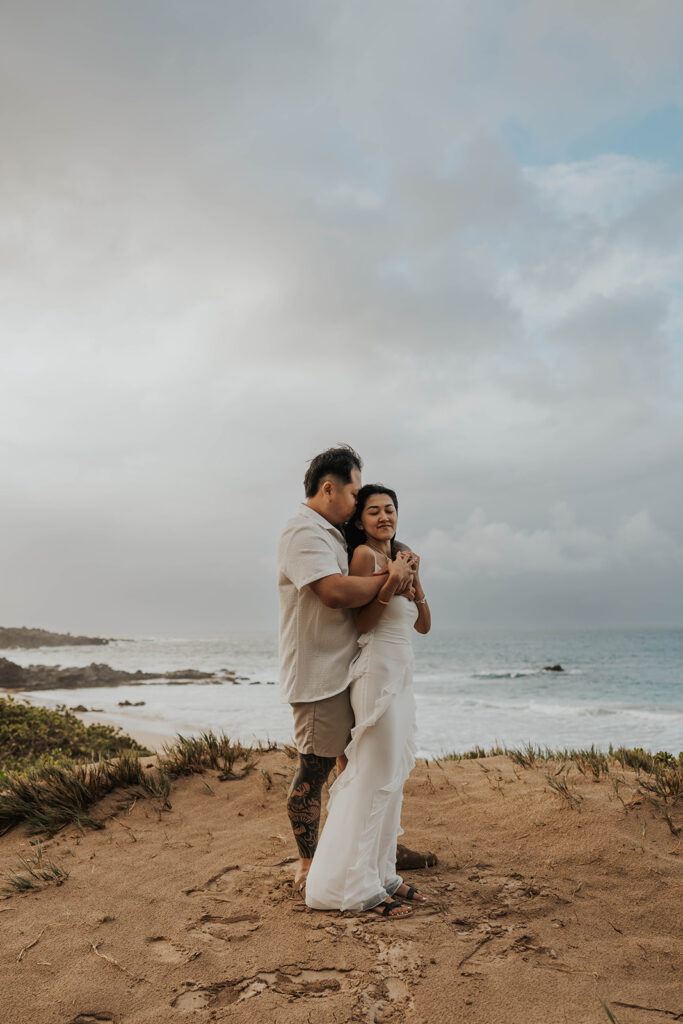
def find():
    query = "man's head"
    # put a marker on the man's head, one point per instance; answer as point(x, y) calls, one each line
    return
point(332, 483)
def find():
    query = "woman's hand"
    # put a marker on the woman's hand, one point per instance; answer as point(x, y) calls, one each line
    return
point(401, 575)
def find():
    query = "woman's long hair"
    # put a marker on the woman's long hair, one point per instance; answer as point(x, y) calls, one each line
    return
point(355, 536)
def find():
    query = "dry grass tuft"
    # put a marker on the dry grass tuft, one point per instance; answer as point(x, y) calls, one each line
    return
point(33, 872)
point(49, 796)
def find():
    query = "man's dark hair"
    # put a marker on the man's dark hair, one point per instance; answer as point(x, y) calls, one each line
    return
point(338, 462)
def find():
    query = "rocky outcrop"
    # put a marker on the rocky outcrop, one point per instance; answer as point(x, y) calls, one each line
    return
point(52, 677)
point(22, 636)
point(553, 668)
point(11, 675)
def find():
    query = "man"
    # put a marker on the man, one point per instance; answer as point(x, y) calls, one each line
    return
point(318, 639)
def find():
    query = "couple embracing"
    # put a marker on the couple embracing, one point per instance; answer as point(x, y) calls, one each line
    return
point(350, 597)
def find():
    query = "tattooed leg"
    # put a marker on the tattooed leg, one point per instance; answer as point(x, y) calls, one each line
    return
point(303, 802)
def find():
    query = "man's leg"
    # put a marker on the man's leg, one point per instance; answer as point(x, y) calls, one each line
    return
point(303, 807)
point(322, 729)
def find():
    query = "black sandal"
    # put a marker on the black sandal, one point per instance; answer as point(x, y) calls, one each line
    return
point(387, 907)
point(412, 893)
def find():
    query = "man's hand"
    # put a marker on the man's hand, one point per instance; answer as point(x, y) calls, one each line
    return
point(406, 588)
point(401, 572)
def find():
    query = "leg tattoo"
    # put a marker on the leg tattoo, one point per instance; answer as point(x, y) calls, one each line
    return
point(303, 802)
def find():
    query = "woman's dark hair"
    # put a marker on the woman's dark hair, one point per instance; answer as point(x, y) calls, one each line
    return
point(354, 536)
point(339, 462)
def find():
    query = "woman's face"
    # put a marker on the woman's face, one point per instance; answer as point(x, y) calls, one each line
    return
point(379, 517)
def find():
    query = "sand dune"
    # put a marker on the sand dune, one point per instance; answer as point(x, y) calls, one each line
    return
point(538, 909)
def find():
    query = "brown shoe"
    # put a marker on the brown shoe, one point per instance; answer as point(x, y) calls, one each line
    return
point(411, 860)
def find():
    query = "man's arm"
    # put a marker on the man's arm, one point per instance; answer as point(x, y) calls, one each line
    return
point(339, 591)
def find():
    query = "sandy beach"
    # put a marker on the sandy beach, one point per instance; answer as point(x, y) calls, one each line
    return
point(538, 908)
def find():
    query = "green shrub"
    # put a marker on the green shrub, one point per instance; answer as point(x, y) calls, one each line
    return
point(37, 736)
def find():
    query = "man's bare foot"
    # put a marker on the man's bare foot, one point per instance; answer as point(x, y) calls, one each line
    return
point(301, 873)
point(409, 892)
point(392, 908)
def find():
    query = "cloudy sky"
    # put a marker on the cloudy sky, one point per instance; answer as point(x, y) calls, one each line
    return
point(232, 234)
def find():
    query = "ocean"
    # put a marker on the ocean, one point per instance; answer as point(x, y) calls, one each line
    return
point(472, 687)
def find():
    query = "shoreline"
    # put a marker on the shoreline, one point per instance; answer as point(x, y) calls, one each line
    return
point(619, 690)
point(139, 730)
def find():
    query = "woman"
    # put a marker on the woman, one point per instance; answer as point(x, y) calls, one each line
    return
point(354, 867)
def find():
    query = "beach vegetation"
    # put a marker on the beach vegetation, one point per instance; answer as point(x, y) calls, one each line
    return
point(559, 783)
point(33, 872)
point(658, 777)
point(590, 762)
point(32, 735)
point(607, 1010)
point(52, 794)
point(191, 754)
point(58, 791)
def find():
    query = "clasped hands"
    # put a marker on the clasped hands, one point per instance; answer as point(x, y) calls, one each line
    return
point(403, 569)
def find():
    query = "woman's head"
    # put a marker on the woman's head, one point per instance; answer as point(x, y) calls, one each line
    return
point(374, 519)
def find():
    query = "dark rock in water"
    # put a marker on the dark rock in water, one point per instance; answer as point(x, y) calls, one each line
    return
point(22, 636)
point(187, 673)
point(130, 703)
point(11, 675)
point(79, 707)
point(553, 668)
point(255, 682)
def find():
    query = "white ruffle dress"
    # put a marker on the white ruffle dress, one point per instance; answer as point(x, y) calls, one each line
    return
point(354, 867)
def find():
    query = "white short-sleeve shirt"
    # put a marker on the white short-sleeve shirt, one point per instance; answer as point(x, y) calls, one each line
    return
point(317, 643)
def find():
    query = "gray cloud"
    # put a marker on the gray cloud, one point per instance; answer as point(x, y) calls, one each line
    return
point(234, 234)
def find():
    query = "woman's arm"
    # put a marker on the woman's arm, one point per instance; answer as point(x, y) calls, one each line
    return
point(423, 622)
point(363, 564)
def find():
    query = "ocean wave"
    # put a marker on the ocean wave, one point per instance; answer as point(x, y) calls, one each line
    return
point(548, 709)
point(522, 673)
point(514, 673)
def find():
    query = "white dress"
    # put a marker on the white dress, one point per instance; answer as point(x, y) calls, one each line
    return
point(354, 867)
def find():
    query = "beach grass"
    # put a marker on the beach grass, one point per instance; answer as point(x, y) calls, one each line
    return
point(658, 777)
point(56, 790)
point(33, 872)
point(208, 750)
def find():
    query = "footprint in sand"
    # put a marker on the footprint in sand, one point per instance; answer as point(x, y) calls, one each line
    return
point(195, 1000)
point(213, 884)
point(227, 929)
point(93, 1018)
point(298, 984)
point(166, 951)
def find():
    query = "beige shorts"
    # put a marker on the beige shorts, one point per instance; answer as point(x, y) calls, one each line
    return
point(323, 727)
